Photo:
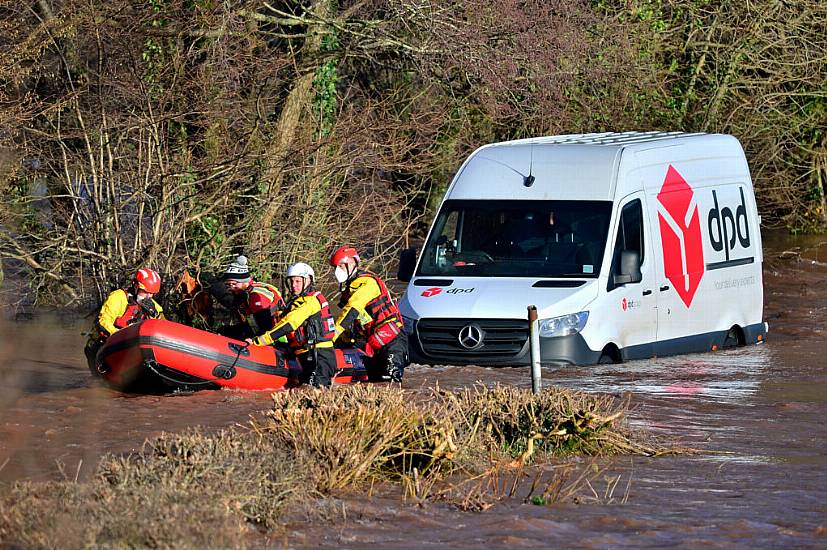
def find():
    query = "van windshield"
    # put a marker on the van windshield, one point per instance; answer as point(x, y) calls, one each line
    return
point(517, 239)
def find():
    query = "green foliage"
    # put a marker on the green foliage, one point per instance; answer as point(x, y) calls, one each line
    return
point(205, 236)
point(324, 100)
point(22, 207)
point(325, 80)
point(651, 12)
point(155, 51)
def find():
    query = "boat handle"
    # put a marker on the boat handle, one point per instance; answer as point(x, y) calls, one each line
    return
point(227, 372)
point(240, 349)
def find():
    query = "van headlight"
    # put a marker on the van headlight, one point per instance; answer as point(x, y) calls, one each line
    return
point(564, 325)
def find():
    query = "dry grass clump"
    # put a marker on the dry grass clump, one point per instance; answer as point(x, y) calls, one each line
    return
point(188, 490)
point(219, 489)
point(555, 422)
point(361, 433)
point(369, 433)
point(244, 474)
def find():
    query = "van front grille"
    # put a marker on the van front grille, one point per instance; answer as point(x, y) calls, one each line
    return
point(501, 338)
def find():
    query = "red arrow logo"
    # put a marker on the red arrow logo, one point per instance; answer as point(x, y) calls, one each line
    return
point(680, 232)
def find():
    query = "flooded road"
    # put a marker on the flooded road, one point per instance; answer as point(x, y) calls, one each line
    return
point(757, 414)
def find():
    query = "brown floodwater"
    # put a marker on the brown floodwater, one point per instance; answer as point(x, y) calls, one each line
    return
point(758, 414)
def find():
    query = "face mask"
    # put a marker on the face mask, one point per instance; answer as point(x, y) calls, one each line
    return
point(340, 274)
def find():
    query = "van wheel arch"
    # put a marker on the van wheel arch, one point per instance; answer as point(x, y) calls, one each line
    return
point(734, 338)
point(609, 355)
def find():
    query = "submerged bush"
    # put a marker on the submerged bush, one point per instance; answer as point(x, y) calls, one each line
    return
point(368, 432)
point(560, 421)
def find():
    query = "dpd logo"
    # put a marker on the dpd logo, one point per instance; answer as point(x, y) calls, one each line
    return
point(460, 290)
point(436, 290)
point(726, 229)
point(680, 232)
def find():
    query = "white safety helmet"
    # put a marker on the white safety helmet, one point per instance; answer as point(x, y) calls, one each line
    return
point(301, 269)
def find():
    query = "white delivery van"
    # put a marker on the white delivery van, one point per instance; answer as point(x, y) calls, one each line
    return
point(630, 245)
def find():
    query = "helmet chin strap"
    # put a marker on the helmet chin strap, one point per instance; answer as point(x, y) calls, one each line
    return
point(352, 272)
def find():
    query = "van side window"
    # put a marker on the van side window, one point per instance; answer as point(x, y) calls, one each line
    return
point(629, 234)
point(446, 243)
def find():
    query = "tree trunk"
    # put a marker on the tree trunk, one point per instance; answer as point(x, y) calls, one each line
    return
point(294, 119)
point(287, 129)
point(820, 174)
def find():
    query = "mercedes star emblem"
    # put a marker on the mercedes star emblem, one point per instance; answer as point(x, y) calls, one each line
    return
point(471, 336)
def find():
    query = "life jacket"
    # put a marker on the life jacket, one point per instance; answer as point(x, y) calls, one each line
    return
point(134, 313)
point(382, 309)
point(276, 305)
point(319, 328)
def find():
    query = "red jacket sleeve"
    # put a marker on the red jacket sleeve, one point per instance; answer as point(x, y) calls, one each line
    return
point(258, 302)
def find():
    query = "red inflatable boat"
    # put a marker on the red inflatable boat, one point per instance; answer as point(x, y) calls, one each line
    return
point(157, 355)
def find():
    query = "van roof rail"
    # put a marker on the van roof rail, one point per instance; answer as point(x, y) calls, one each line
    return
point(605, 138)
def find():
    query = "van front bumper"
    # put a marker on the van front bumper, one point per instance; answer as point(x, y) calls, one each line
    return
point(561, 350)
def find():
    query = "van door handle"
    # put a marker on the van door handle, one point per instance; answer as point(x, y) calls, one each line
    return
point(664, 288)
point(647, 292)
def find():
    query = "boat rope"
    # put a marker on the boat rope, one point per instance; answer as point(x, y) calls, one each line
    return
point(149, 365)
point(227, 368)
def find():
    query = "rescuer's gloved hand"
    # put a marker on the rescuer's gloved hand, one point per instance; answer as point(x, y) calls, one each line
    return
point(148, 305)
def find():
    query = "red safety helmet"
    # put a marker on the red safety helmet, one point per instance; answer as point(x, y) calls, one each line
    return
point(343, 254)
point(147, 280)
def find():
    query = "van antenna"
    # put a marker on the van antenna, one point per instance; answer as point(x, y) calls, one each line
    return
point(528, 180)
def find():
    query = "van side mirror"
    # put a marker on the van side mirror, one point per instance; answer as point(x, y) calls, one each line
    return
point(407, 264)
point(629, 268)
